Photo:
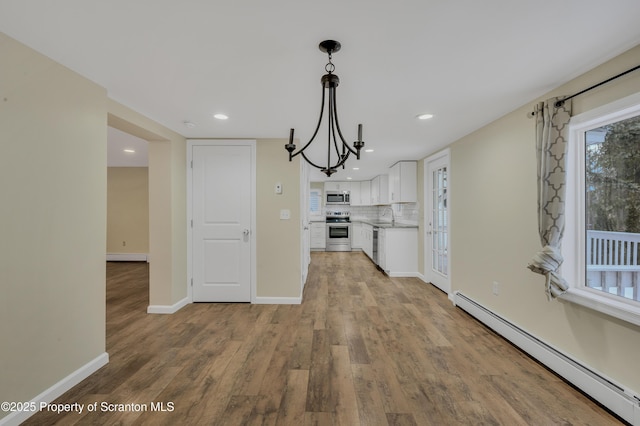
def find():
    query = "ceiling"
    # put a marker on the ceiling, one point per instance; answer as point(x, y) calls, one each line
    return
point(468, 62)
point(125, 150)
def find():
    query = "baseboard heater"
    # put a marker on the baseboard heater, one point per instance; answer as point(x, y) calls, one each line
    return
point(622, 402)
point(127, 257)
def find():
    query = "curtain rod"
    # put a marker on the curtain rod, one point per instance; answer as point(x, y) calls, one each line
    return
point(560, 102)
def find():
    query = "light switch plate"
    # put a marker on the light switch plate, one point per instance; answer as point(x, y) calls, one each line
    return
point(285, 214)
point(278, 188)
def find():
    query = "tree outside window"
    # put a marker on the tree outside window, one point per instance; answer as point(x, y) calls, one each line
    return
point(612, 207)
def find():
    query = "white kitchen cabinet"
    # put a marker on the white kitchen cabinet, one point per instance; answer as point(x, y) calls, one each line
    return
point(318, 235)
point(380, 190)
point(361, 193)
point(356, 235)
point(356, 198)
point(337, 186)
point(403, 182)
point(367, 240)
point(398, 251)
point(382, 246)
point(365, 193)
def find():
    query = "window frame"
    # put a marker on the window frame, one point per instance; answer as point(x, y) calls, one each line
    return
point(573, 243)
point(315, 193)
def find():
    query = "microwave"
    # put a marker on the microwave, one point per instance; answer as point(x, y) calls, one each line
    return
point(337, 197)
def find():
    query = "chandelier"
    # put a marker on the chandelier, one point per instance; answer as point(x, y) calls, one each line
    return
point(340, 147)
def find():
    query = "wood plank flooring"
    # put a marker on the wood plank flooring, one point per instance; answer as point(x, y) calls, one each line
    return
point(362, 349)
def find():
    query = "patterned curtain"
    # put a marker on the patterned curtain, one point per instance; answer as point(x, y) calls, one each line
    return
point(552, 132)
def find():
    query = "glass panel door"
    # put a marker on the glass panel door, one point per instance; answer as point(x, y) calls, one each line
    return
point(439, 226)
point(436, 230)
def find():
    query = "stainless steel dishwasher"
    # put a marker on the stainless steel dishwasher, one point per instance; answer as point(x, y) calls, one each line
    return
point(375, 245)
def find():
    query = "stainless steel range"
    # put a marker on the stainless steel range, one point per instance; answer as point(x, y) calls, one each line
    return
point(338, 231)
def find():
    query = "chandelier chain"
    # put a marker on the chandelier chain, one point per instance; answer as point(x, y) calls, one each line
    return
point(329, 67)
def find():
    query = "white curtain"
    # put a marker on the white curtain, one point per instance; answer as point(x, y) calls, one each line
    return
point(552, 132)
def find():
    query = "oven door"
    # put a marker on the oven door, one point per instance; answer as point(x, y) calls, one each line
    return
point(338, 231)
point(338, 237)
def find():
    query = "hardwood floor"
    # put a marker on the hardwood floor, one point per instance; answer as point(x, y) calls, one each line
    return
point(362, 349)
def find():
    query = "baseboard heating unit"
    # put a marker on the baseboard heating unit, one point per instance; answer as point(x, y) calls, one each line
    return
point(611, 395)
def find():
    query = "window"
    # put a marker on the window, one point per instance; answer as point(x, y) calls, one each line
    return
point(315, 202)
point(602, 237)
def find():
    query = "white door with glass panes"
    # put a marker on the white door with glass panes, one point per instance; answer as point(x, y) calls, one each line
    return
point(437, 221)
point(221, 191)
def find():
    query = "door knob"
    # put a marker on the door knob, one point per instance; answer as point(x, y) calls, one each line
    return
point(246, 232)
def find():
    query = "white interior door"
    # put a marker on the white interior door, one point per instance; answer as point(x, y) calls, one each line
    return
point(437, 221)
point(222, 237)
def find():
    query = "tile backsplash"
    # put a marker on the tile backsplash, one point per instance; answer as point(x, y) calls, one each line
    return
point(403, 213)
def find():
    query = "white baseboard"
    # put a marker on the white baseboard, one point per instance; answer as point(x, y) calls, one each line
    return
point(403, 274)
point(168, 309)
point(277, 300)
point(58, 389)
point(452, 298)
point(127, 257)
point(621, 401)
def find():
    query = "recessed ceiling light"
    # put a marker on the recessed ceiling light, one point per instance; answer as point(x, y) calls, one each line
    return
point(368, 150)
point(349, 178)
point(424, 116)
point(220, 116)
point(356, 168)
point(129, 150)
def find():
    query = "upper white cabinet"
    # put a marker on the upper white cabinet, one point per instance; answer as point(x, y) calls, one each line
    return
point(365, 193)
point(361, 193)
point(355, 197)
point(403, 182)
point(399, 186)
point(337, 186)
point(380, 190)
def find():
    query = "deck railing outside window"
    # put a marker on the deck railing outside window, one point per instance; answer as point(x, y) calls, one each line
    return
point(613, 263)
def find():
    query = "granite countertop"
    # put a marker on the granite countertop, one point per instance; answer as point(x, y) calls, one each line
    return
point(385, 225)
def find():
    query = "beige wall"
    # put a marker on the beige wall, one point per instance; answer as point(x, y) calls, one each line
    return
point(278, 267)
point(494, 232)
point(127, 210)
point(167, 203)
point(53, 136)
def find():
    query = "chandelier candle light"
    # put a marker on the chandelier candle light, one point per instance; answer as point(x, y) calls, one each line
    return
point(329, 81)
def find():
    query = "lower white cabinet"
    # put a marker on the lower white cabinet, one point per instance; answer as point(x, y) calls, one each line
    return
point(318, 235)
point(367, 240)
point(398, 251)
point(356, 235)
point(382, 246)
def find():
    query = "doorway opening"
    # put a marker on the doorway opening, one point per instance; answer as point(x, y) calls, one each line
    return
point(127, 198)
